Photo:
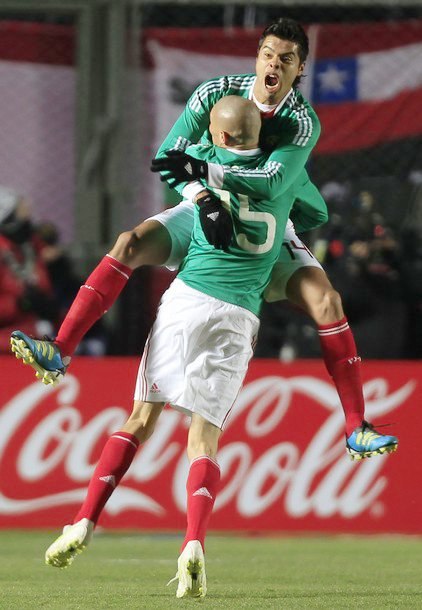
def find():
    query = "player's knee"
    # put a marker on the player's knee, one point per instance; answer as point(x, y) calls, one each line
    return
point(143, 429)
point(141, 422)
point(199, 447)
point(149, 243)
point(125, 250)
point(328, 307)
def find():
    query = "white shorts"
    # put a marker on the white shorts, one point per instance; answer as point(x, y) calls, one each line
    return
point(179, 223)
point(197, 353)
point(293, 255)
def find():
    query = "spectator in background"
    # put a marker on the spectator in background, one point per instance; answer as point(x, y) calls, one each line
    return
point(377, 278)
point(26, 293)
point(363, 260)
point(66, 283)
point(411, 284)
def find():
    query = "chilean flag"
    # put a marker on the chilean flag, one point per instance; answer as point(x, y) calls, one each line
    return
point(365, 82)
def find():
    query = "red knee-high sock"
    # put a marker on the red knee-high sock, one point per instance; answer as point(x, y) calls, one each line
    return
point(94, 298)
point(115, 459)
point(344, 365)
point(202, 487)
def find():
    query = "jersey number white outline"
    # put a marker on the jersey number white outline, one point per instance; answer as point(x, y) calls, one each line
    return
point(247, 215)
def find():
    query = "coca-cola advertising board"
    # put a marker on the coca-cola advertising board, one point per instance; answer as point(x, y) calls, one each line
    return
point(282, 455)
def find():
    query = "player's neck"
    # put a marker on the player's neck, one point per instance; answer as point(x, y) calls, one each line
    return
point(269, 105)
point(246, 151)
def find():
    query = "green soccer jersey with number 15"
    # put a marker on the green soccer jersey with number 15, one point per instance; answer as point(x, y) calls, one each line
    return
point(240, 275)
point(288, 138)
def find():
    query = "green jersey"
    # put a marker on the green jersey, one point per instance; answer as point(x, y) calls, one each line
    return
point(288, 137)
point(240, 275)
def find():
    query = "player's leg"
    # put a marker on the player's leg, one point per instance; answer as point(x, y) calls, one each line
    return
point(115, 459)
point(310, 289)
point(202, 487)
point(162, 239)
point(299, 277)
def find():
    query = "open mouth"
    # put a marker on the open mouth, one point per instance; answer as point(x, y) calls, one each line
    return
point(271, 81)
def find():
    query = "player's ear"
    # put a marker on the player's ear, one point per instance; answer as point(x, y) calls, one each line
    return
point(225, 138)
point(301, 69)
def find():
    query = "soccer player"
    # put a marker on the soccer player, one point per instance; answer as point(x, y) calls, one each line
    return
point(290, 129)
point(199, 347)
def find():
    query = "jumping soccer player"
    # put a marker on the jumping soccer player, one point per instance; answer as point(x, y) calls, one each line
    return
point(199, 347)
point(290, 130)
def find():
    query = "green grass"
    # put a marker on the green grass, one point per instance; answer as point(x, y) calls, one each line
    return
point(130, 571)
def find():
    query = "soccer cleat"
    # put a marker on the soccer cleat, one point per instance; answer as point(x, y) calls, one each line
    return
point(43, 356)
point(74, 540)
point(191, 571)
point(365, 442)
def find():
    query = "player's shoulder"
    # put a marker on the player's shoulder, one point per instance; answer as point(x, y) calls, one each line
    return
point(219, 86)
point(297, 102)
point(304, 117)
point(200, 150)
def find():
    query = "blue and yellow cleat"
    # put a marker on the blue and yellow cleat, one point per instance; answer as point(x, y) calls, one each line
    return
point(365, 442)
point(44, 357)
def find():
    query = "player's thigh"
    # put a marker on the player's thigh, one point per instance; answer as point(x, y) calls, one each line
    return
point(142, 420)
point(178, 223)
point(203, 437)
point(294, 256)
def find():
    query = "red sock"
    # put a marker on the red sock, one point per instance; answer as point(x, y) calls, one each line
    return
point(342, 362)
point(202, 486)
point(115, 459)
point(94, 298)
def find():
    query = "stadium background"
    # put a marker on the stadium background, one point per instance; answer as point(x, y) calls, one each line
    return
point(88, 88)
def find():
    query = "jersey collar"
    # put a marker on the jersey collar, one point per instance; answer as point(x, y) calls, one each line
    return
point(252, 152)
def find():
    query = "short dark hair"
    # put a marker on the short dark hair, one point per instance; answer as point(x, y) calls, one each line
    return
point(288, 29)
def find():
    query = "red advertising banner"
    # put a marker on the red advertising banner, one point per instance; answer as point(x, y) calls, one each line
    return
point(283, 460)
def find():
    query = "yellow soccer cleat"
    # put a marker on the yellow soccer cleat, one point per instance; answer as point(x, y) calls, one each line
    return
point(74, 540)
point(191, 571)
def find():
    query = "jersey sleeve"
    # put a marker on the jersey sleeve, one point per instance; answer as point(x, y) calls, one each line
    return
point(281, 170)
point(190, 125)
point(309, 209)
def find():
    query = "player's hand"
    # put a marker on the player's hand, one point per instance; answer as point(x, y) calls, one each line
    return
point(216, 221)
point(179, 167)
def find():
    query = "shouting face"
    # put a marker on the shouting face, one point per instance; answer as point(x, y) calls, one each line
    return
point(277, 66)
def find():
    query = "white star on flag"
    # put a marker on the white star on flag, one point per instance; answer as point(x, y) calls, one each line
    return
point(333, 79)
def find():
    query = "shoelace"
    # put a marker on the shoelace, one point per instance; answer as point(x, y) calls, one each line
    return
point(173, 579)
point(371, 427)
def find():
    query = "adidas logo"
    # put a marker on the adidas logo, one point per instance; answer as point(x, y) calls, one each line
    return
point(203, 491)
point(213, 215)
point(155, 388)
point(188, 167)
point(110, 478)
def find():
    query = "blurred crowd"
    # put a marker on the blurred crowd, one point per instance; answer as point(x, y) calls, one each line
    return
point(37, 279)
point(374, 263)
